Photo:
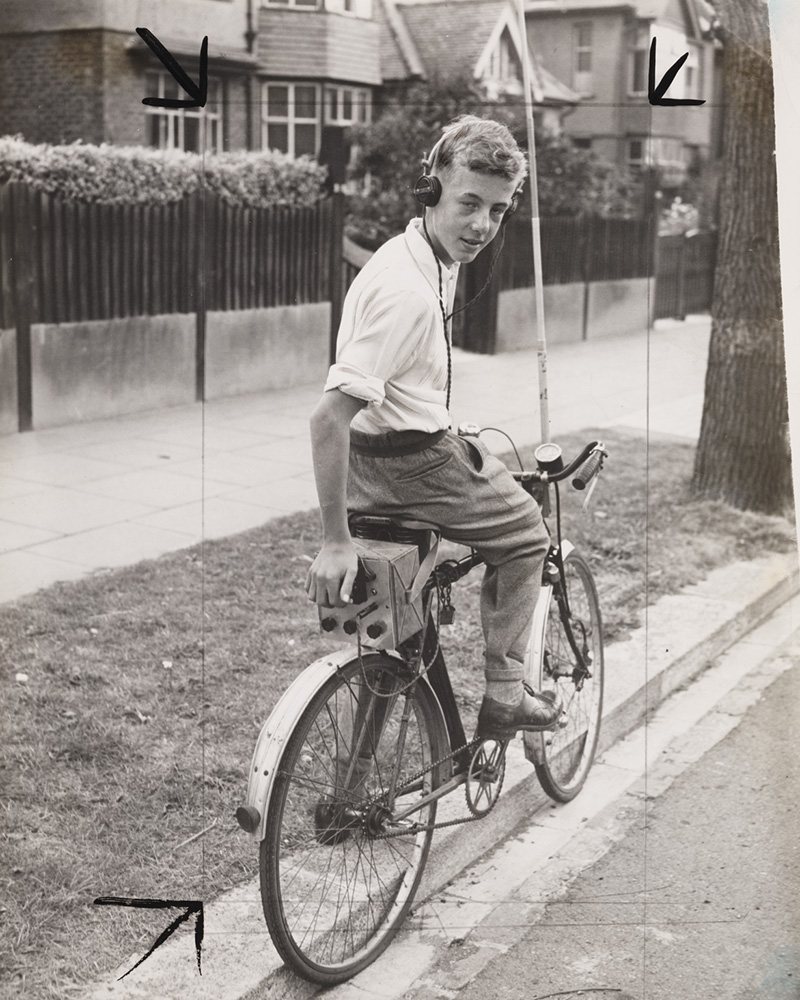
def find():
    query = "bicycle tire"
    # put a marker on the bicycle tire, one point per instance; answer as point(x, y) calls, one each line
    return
point(333, 888)
point(565, 756)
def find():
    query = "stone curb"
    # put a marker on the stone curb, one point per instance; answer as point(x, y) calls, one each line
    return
point(238, 958)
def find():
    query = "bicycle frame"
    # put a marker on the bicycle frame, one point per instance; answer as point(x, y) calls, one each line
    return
point(286, 714)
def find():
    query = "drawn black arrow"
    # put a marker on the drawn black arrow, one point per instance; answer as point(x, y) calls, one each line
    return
point(191, 906)
point(655, 94)
point(197, 92)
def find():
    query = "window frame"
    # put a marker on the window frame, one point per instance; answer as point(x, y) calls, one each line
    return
point(638, 164)
point(293, 4)
point(361, 97)
point(582, 79)
point(291, 120)
point(171, 122)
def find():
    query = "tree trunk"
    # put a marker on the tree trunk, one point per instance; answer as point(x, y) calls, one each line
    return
point(743, 452)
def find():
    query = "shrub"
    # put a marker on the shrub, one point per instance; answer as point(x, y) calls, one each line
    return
point(131, 175)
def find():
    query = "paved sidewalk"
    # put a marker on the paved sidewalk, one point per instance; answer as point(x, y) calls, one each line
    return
point(109, 493)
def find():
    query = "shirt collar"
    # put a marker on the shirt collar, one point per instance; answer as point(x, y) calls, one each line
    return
point(424, 255)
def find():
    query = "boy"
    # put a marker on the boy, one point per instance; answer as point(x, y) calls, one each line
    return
point(380, 434)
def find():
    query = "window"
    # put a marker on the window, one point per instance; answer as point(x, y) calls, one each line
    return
point(290, 118)
point(580, 142)
point(691, 72)
point(638, 157)
point(307, 4)
point(639, 63)
point(348, 106)
point(194, 130)
point(582, 57)
point(358, 8)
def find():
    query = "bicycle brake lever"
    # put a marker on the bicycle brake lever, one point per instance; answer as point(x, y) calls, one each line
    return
point(588, 496)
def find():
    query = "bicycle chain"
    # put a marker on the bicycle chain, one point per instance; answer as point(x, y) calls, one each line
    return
point(424, 827)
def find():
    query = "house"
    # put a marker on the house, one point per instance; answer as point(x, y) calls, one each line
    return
point(601, 48)
point(279, 72)
point(476, 40)
point(282, 74)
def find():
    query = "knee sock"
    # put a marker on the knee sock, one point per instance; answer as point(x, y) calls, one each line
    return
point(507, 692)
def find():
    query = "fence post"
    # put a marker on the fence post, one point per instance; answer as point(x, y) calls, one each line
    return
point(22, 279)
point(585, 233)
point(336, 244)
point(196, 244)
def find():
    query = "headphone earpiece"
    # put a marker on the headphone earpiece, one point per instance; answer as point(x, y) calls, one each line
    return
point(511, 208)
point(428, 190)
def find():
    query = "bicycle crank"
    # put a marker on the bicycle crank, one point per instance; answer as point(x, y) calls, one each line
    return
point(485, 776)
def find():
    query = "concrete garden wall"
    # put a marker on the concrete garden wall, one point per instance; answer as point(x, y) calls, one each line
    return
point(266, 348)
point(612, 308)
point(105, 368)
point(8, 381)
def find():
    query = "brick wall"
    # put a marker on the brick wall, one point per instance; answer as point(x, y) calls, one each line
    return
point(51, 86)
point(61, 86)
point(124, 87)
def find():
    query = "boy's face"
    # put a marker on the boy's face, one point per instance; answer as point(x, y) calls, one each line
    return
point(469, 213)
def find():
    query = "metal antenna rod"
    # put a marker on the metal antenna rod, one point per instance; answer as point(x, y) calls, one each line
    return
point(541, 341)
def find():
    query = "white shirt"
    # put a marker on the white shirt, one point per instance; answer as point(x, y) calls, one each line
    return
point(391, 349)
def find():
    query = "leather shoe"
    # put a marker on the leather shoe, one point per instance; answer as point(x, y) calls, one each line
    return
point(535, 713)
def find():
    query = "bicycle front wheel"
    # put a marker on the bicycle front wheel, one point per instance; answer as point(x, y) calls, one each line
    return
point(346, 842)
point(565, 756)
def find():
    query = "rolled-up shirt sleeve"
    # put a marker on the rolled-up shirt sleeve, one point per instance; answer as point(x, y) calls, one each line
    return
point(356, 383)
point(381, 340)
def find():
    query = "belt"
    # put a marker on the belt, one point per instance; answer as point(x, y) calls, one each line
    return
point(394, 443)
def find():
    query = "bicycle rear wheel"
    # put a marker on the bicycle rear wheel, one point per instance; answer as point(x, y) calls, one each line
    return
point(565, 756)
point(338, 870)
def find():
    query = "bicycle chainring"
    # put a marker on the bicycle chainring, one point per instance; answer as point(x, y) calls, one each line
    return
point(487, 770)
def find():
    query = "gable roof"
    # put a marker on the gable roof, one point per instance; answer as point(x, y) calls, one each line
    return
point(424, 38)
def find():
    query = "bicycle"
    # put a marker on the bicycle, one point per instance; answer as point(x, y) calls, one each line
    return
point(349, 767)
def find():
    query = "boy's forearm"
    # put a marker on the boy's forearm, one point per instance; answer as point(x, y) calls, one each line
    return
point(330, 446)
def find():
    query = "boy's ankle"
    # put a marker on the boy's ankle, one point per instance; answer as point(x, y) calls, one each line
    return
point(505, 692)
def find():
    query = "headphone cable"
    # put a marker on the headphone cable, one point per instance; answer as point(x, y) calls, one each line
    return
point(443, 310)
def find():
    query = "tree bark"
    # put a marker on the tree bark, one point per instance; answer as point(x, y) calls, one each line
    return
point(743, 451)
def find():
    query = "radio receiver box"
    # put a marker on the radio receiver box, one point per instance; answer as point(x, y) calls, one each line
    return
point(381, 615)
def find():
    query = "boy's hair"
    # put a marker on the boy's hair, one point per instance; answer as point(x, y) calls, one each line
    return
point(483, 145)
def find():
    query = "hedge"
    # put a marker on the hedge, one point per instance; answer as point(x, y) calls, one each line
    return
point(137, 175)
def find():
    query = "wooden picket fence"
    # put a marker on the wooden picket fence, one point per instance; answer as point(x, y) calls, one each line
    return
point(63, 261)
point(685, 274)
point(89, 261)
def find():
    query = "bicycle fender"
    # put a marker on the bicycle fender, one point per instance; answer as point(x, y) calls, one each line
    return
point(534, 742)
point(252, 816)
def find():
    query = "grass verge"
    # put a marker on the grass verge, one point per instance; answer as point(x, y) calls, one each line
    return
point(146, 688)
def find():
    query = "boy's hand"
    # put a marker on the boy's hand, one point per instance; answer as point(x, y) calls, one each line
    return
point(332, 574)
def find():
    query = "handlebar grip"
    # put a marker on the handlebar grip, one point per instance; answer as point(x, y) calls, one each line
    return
point(588, 470)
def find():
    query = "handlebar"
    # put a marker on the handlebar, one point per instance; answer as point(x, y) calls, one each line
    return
point(587, 465)
point(589, 469)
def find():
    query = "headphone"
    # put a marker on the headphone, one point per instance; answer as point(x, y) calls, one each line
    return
point(428, 189)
